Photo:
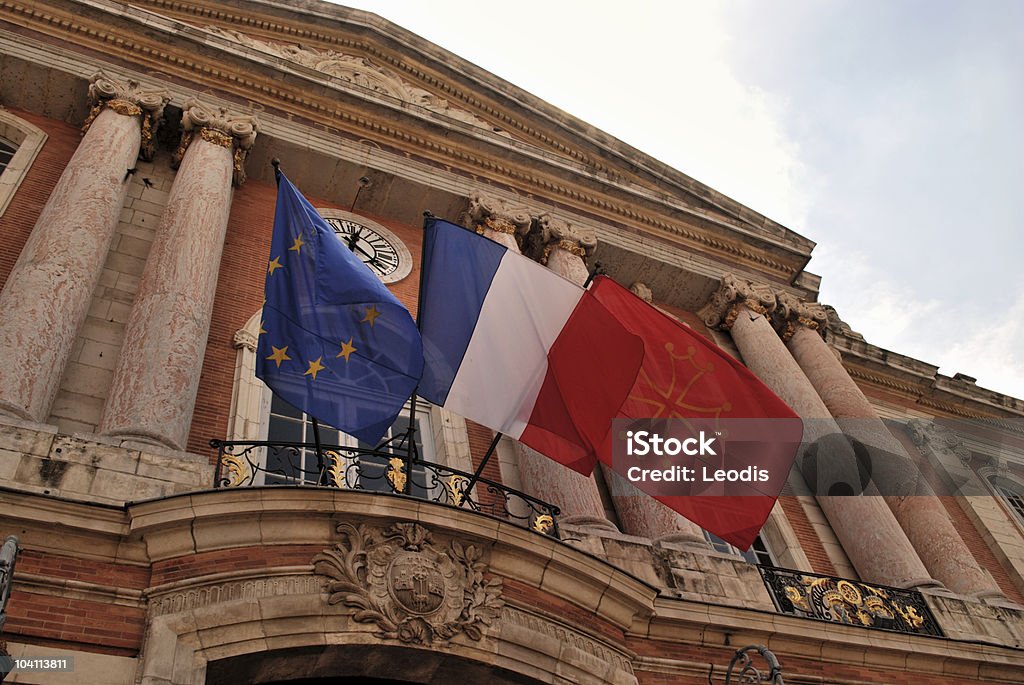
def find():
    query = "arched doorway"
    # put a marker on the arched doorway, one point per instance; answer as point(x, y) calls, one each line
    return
point(357, 664)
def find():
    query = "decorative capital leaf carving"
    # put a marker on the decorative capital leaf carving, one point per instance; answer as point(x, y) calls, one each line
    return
point(219, 126)
point(723, 307)
point(128, 98)
point(792, 313)
point(486, 212)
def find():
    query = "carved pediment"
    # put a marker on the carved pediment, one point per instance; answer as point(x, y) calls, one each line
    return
point(358, 71)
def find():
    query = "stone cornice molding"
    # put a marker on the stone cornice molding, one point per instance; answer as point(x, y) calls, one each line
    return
point(218, 126)
point(921, 382)
point(361, 73)
point(510, 119)
point(734, 294)
point(792, 313)
point(720, 234)
point(129, 98)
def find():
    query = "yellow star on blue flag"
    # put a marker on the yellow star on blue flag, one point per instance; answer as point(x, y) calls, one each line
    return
point(315, 350)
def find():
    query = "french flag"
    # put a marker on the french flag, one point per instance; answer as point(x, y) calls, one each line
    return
point(515, 347)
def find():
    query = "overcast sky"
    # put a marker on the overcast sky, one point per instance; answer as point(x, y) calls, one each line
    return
point(889, 132)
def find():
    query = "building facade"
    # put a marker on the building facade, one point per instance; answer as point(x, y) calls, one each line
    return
point(137, 200)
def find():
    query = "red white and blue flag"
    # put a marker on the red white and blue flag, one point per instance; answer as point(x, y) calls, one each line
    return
point(519, 349)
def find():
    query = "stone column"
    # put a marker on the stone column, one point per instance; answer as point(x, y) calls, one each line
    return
point(639, 513)
point(46, 298)
point(919, 512)
point(157, 375)
point(867, 529)
point(577, 496)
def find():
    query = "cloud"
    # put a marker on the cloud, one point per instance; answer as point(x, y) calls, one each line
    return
point(983, 343)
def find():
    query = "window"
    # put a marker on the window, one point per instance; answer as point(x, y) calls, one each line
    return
point(758, 553)
point(1011, 494)
point(20, 142)
point(7, 150)
point(288, 424)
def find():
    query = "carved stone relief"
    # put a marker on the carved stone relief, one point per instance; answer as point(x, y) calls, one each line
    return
point(218, 126)
point(498, 215)
point(128, 98)
point(410, 587)
point(360, 72)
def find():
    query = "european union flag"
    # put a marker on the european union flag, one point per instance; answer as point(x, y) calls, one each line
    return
point(334, 341)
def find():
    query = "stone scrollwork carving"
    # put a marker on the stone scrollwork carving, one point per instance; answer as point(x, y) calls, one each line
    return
point(360, 72)
point(837, 325)
point(791, 313)
point(498, 215)
point(642, 291)
point(929, 436)
point(219, 126)
point(128, 98)
point(721, 311)
point(550, 233)
point(413, 589)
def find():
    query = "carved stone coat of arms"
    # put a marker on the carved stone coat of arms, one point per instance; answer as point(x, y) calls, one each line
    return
point(413, 590)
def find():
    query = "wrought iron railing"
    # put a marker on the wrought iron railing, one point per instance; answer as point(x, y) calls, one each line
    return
point(386, 469)
point(847, 601)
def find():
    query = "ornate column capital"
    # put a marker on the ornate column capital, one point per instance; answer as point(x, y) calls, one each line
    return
point(558, 234)
point(244, 338)
point(500, 216)
point(232, 130)
point(723, 307)
point(929, 436)
point(642, 291)
point(792, 313)
point(132, 99)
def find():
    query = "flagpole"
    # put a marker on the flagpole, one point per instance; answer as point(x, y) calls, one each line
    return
point(411, 453)
point(598, 269)
point(321, 473)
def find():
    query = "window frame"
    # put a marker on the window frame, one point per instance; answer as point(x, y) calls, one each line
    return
point(28, 140)
point(345, 441)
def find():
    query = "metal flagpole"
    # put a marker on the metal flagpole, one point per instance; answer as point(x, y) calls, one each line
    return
point(598, 269)
point(320, 466)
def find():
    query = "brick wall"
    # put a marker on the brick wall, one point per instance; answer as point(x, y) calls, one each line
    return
point(235, 559)
point(113, 627)
point(86, 570)
point(17, 222)
point(240, 294)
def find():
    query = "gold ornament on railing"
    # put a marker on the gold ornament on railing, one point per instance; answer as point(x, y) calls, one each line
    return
point(395, 474)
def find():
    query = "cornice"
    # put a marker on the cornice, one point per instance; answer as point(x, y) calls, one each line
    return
point(438, 148)
point(632, 158)
point(921, 382)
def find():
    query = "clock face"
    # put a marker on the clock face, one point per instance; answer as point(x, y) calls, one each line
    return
point(377, 247)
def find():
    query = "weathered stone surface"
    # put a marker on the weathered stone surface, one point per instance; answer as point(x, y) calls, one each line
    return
point(48, 293)
point(921, 515)
point(157, 376)
point(867, 529)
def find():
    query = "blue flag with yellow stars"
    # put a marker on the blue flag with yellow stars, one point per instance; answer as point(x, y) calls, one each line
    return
point(334, 342)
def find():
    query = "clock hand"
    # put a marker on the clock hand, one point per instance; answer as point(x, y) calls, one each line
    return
point(354, 238)
point(373, 259)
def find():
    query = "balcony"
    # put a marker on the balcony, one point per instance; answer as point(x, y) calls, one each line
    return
point(388, 469)
point(851, 602)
